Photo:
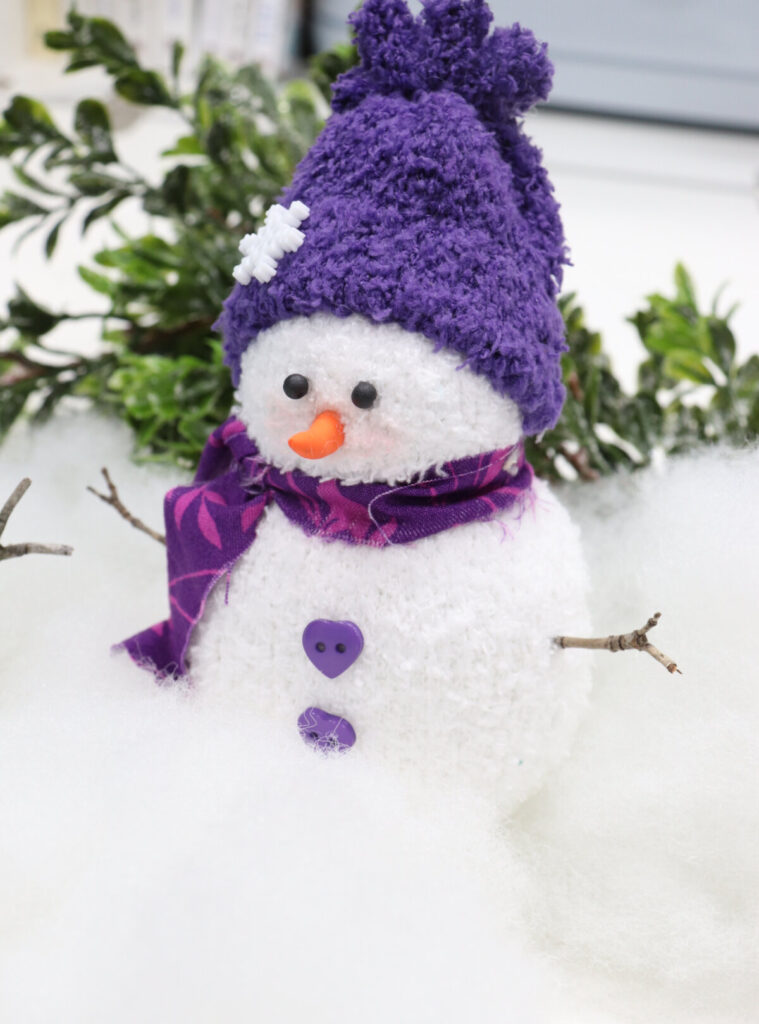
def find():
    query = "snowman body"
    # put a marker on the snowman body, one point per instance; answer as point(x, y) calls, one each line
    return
point(458, 680)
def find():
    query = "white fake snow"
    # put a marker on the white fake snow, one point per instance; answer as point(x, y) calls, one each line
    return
point(162, 858)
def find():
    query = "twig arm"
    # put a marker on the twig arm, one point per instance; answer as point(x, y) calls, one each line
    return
point(113, 499)
point(17, 550)
point(637, 640)
point(15, 498)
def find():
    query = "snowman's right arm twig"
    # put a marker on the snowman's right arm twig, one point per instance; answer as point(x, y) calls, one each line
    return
point(637, 640)
point(27, 548)
point(113, 499)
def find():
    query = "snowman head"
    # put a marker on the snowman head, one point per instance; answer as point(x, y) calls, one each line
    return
point(347, 398)
point(398, 307)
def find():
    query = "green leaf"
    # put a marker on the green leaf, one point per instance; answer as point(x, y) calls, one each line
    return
point(300, 97)
point(103, 209)
point(156, 250)
point(177, 53)
point(145, 87)
point(54, 393)
point(52, 237)
point(94, 183)
point(175, 190)
point(187, 145)
point(98, 282)
point(59, 40)
point(10, 140)
point(672, 331)
point(57, 154)
point(92, 123)
point(81, 63)
point(31, 182)
point(723, 344)
point(14, 207)
point(682, 364)
point(255, 82)
point(144, 264)
point(752, 423)
point(31, 120)
point(28, 317)
point(219, 142)
point(93, 41)
point(325, 67)
point(109, 40)
point(12, 401)
point(686, 294)
point(747, 378)
point(650, 376)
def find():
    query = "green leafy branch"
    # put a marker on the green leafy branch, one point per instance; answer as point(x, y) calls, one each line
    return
point(691, 390)
point(236, 143)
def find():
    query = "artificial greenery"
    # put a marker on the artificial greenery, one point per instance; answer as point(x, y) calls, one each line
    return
point(691, 390)
point(238, 138)
point(236, 143)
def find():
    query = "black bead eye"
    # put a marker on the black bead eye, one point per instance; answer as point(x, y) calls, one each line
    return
point(295, 386)
point(364, 395)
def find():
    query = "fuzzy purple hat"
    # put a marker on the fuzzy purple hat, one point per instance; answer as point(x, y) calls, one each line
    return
point(429, 207)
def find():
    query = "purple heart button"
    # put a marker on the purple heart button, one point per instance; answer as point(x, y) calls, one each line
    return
point(326, 732)
point(332, 646)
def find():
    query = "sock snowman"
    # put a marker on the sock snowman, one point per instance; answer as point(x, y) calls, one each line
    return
point(364, 554)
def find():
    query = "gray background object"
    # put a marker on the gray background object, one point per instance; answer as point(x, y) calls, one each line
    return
point(692, 61)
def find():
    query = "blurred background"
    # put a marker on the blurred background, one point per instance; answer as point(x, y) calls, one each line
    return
point(683, 61)
point(651, 135)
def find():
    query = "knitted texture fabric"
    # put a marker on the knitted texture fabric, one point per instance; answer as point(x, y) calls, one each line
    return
point(428, 205)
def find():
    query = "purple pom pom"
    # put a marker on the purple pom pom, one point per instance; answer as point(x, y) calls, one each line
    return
point(447, 47)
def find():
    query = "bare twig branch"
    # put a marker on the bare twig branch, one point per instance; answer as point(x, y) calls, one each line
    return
point(31, 369)
point(575, 388)
point(17, 550)
point(14, 356)
point(637, 640)
point(113, 499)
point(15, 498)
point(156, 338)
point(579, 462)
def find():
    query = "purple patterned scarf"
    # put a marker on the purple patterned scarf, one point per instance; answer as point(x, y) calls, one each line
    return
point(211, 523)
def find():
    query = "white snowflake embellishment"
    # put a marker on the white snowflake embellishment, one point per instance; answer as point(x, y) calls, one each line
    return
point(262, 251)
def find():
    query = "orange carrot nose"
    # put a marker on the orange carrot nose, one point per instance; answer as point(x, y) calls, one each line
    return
point(324, 436)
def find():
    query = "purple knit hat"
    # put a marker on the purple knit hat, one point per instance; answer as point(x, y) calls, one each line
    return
point(429, 207)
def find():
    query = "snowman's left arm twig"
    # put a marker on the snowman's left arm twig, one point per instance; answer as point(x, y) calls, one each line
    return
point(113, 499)
point(637, 640)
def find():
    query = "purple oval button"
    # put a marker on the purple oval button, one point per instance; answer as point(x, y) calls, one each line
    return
point(326, 732)
point(332, 646)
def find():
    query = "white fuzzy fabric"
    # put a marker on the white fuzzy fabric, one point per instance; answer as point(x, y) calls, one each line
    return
point(164, 856)
point(459, 680)
point(427, 410)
